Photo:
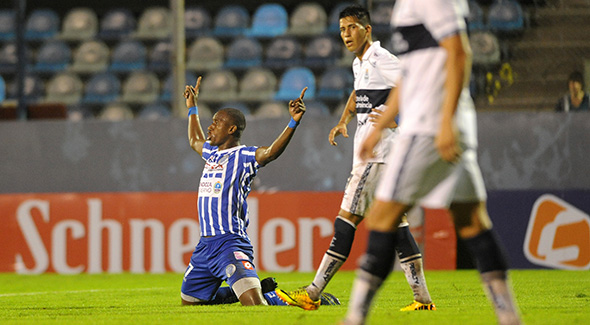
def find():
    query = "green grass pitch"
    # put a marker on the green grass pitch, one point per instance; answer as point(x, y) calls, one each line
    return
point(544, 297)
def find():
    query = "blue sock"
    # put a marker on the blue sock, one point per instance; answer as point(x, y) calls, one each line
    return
point(273, 299)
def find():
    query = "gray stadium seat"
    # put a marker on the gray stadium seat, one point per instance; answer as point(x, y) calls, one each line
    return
point(90, 57)
point(219, 86)
point(205, 53)
point(116, 112)
point(154, 23)
point(141, 87)
point(79, 24)
point(308, 19)
point(258, 84)
point(64, 87)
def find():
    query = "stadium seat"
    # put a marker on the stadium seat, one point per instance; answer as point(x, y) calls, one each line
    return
point(243, 53)
point(41, 24)
point(79, 112)
point(293, 81)
point(231, 21)
point(79, 24)
point(115, 112)
point(128, 55)
point(33, 90)
point(7, 24)
point(308, 18)
point(154, 23)
point(117, 24)
point(316, 108)
point(9, 57)
point(2, 89)
point(322, 51)
point(159, 58)
point(334, 18)
point(283, 52)
point(505, 17)
point(90, 57)
point(485, 47)
point(64, 87)
point(242, 107)
point(258, 84)
point(272, 109)
point(155, 111)
point(219, 86)
point(269, 20)
point(54, 55)
point(475, 20)
point(103, 87)
point(168, 87)
point(335, 84)
point(197, 22)
point(141, 87)
point(205, 53)
point(381, 19)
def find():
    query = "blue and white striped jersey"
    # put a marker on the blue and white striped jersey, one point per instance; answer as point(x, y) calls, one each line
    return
point(224, 187)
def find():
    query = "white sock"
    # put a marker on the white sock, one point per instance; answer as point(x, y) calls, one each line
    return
point(496, 286)
point(415, 277)
point(328, 267)
point(364, 288)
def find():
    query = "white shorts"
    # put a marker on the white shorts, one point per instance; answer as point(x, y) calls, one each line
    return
point(361, 186)
point(416, 174)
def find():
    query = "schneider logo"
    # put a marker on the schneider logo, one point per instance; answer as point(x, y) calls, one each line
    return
point(558, 235)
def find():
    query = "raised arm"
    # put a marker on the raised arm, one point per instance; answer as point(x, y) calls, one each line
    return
point(347, 115)
point(264, 155)
point(196, 136)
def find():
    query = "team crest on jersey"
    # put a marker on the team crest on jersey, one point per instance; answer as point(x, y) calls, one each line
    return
point(217, 187)
point(230, 270)
point(240, 256)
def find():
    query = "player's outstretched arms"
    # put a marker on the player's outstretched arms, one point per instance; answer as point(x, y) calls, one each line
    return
point(347, 115)
point(264, 155)
point(196, 136)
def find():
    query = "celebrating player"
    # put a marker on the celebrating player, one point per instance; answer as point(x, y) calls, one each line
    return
point(375, 74)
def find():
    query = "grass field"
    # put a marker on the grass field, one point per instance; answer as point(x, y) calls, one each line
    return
point(544, 297)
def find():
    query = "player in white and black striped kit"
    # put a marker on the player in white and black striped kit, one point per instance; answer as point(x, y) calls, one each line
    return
point(375, 73)
point(434, 160)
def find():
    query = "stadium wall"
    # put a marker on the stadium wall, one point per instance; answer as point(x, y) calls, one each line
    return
point(74, 194)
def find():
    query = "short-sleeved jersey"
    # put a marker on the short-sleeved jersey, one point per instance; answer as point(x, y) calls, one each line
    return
point(223, 189)
point(419, 26)
point(374, 76)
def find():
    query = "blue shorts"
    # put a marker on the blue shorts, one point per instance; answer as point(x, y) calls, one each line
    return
point(216, 259)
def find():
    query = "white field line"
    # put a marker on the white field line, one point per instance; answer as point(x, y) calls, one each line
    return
point(76, 291)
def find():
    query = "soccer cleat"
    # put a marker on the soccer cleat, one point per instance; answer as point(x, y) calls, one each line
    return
point(299, 298)
point(328, 299)
point(418, 306)
point(268, 284)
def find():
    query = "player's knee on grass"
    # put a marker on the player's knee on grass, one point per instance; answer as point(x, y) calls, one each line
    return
point(249, 291)
point(188, 300)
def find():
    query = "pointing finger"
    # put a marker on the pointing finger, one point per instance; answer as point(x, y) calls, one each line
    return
point(303, 93)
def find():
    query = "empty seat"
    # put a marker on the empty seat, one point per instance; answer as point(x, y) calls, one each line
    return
point(154, 23)
point(141, 87)
point(103, 87)
point(160, 56)
point(335, 84)
point(258, 84)
point(475, 20)
point(231, 21)
point(117, 24)
point(506, 17)
point(308, 19)
point(269, 20)
point(485, 47)
point(168, 88)
point(293, 81)
point(334, 18)
point(115, 112)
point(316, 108)
point(79, 112)
point(219, 86)
point(41, 24)
point(322, 51)
point(283, 52)
point(205, 53)
point(197, 21)
point(155, 111)
point(272, 109)
point(128, 55)
point(9, 57)
point(381, 19)
point(243, 53)
point(64, 87)
point(90, 57)
point(53, 56)
point(33, 90)
point(7, 24)
point(79, 24)
point(242, 107)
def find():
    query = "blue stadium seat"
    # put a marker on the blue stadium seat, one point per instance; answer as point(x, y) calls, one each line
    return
point(2, 89)
point(269, 20)
point(141, 87)
point(197, 21)
point(335, 84)
point(103, 87)
point(308, 18)
point(505, 17)
point(258, 84)
point(205, 53)
point(118, 23)
point(41, 24)
point(7, 25)
point(155, 111)
point(168, 87)
point(486, 48)
point(293, 81)
point(334, 18)
point(219, 86)
point(160, 55)
point(322, 51)
point(64, 87)
point(128, 55)
point(475, 20)
point(283, 52)
point(231, 21)
point(243, 53)
point(53, 56)
point(90, 57)
point(154, 23)
point(79, 24)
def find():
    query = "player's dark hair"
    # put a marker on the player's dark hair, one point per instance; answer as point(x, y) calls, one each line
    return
point(358, 12)
point(237, 118)
point(577, 76)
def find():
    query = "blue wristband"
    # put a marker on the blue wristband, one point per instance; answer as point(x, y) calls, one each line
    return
point(293, 124)
point(193, 110)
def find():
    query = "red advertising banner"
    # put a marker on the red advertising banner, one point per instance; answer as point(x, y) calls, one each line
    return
point(73, 233)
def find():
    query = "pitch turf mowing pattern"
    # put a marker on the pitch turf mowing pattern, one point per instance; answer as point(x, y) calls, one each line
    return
point(544, 297)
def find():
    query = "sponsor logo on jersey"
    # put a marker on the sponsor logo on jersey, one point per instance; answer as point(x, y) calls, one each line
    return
point(217, 187)
point(240, 256)
point(558, 235)
point(248, 265)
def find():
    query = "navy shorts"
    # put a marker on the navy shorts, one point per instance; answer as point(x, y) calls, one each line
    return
point(216, 259)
